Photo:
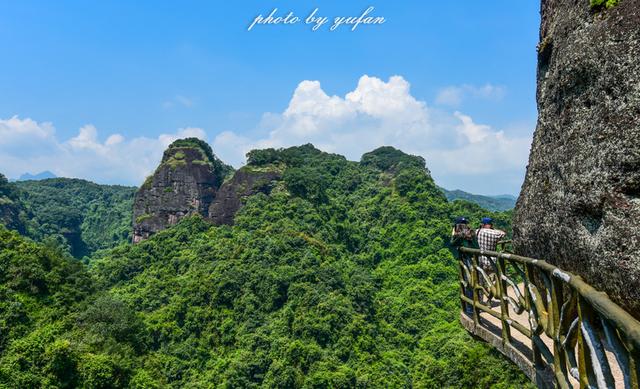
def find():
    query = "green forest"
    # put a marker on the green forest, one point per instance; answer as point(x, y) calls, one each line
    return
point(77, 215)
point(491, 203)
point(341, 277)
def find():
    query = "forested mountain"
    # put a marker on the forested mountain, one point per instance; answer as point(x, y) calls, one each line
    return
point(75, 213)
point(12, 212)
point(492, 203)
point(340, 276)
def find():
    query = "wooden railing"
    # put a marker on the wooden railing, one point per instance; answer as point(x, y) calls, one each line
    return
point(557, 328)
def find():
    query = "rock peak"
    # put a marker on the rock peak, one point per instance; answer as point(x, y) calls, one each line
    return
point(191, 180)
point(184, 184)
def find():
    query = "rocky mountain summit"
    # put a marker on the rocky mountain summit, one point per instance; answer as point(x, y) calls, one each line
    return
point(184, 184)
point(191, 180)
point(580, 203)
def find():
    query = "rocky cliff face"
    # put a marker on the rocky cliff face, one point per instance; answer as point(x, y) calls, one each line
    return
point(184, 184)
point(245, 182)
point(580, 203)
point(189, 181)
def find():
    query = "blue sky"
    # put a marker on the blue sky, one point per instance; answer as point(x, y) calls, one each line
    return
point(96, 83)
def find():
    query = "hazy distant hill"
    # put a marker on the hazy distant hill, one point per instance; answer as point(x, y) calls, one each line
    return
point(492, 203)
point(39, 176)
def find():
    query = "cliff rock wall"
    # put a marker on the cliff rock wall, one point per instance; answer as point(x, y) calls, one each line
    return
point(191, 180)
point(579, 206)
point(184, 184)
point(245, 182)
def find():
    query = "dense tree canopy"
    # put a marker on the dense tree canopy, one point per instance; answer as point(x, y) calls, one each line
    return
point(76, 213)
point(12, 212)
point(341, 277)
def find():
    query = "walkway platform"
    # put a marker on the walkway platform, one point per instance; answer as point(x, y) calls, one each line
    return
point(558, 329)
point(520, 351)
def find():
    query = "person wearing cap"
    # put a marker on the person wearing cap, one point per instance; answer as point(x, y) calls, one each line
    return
point(463, 236)
point(488, 238)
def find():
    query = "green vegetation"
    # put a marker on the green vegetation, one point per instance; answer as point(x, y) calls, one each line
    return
point(264, 157)
point(267, 167)
point(148, 182)
point(193, 143)
point(78, 214)
point(175, 158)
point(492, 203)
point(40, 288)
point(144, 217)
point(387, 157)
point(12, 212)
point(341, 278)
point(175, 163)
point(599, 4)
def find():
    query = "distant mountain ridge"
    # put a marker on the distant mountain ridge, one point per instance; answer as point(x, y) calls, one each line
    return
point(492, 203)
point(35, 177)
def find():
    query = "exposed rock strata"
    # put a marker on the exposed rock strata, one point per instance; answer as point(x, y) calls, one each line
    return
point(184, 184)
point(579, 206)
point(189, 181)
point(230, 197)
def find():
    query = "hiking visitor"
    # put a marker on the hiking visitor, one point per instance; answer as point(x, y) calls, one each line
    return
point(463, 236)
point(488, 238)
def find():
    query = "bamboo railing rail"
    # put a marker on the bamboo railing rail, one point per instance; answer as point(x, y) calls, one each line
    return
point(584, 332)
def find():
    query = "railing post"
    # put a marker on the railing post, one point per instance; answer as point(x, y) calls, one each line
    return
point(504, 306)
point(538, 362)
point(474, 283)
point(463, 292)
point(584, 357)
point(634, 366)
point(559, 357)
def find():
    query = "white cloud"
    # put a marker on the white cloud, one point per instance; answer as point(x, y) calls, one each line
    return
point(451, 95)
point(380, 113)
point(232, 148)
point(454, 95)
point(474, 133)
point(178, 100)
point(185, 101)
point(373, 114)
point(460, 152)
point(116, 160)
point(188, 132)
point(114, 139)
point(14, 128)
